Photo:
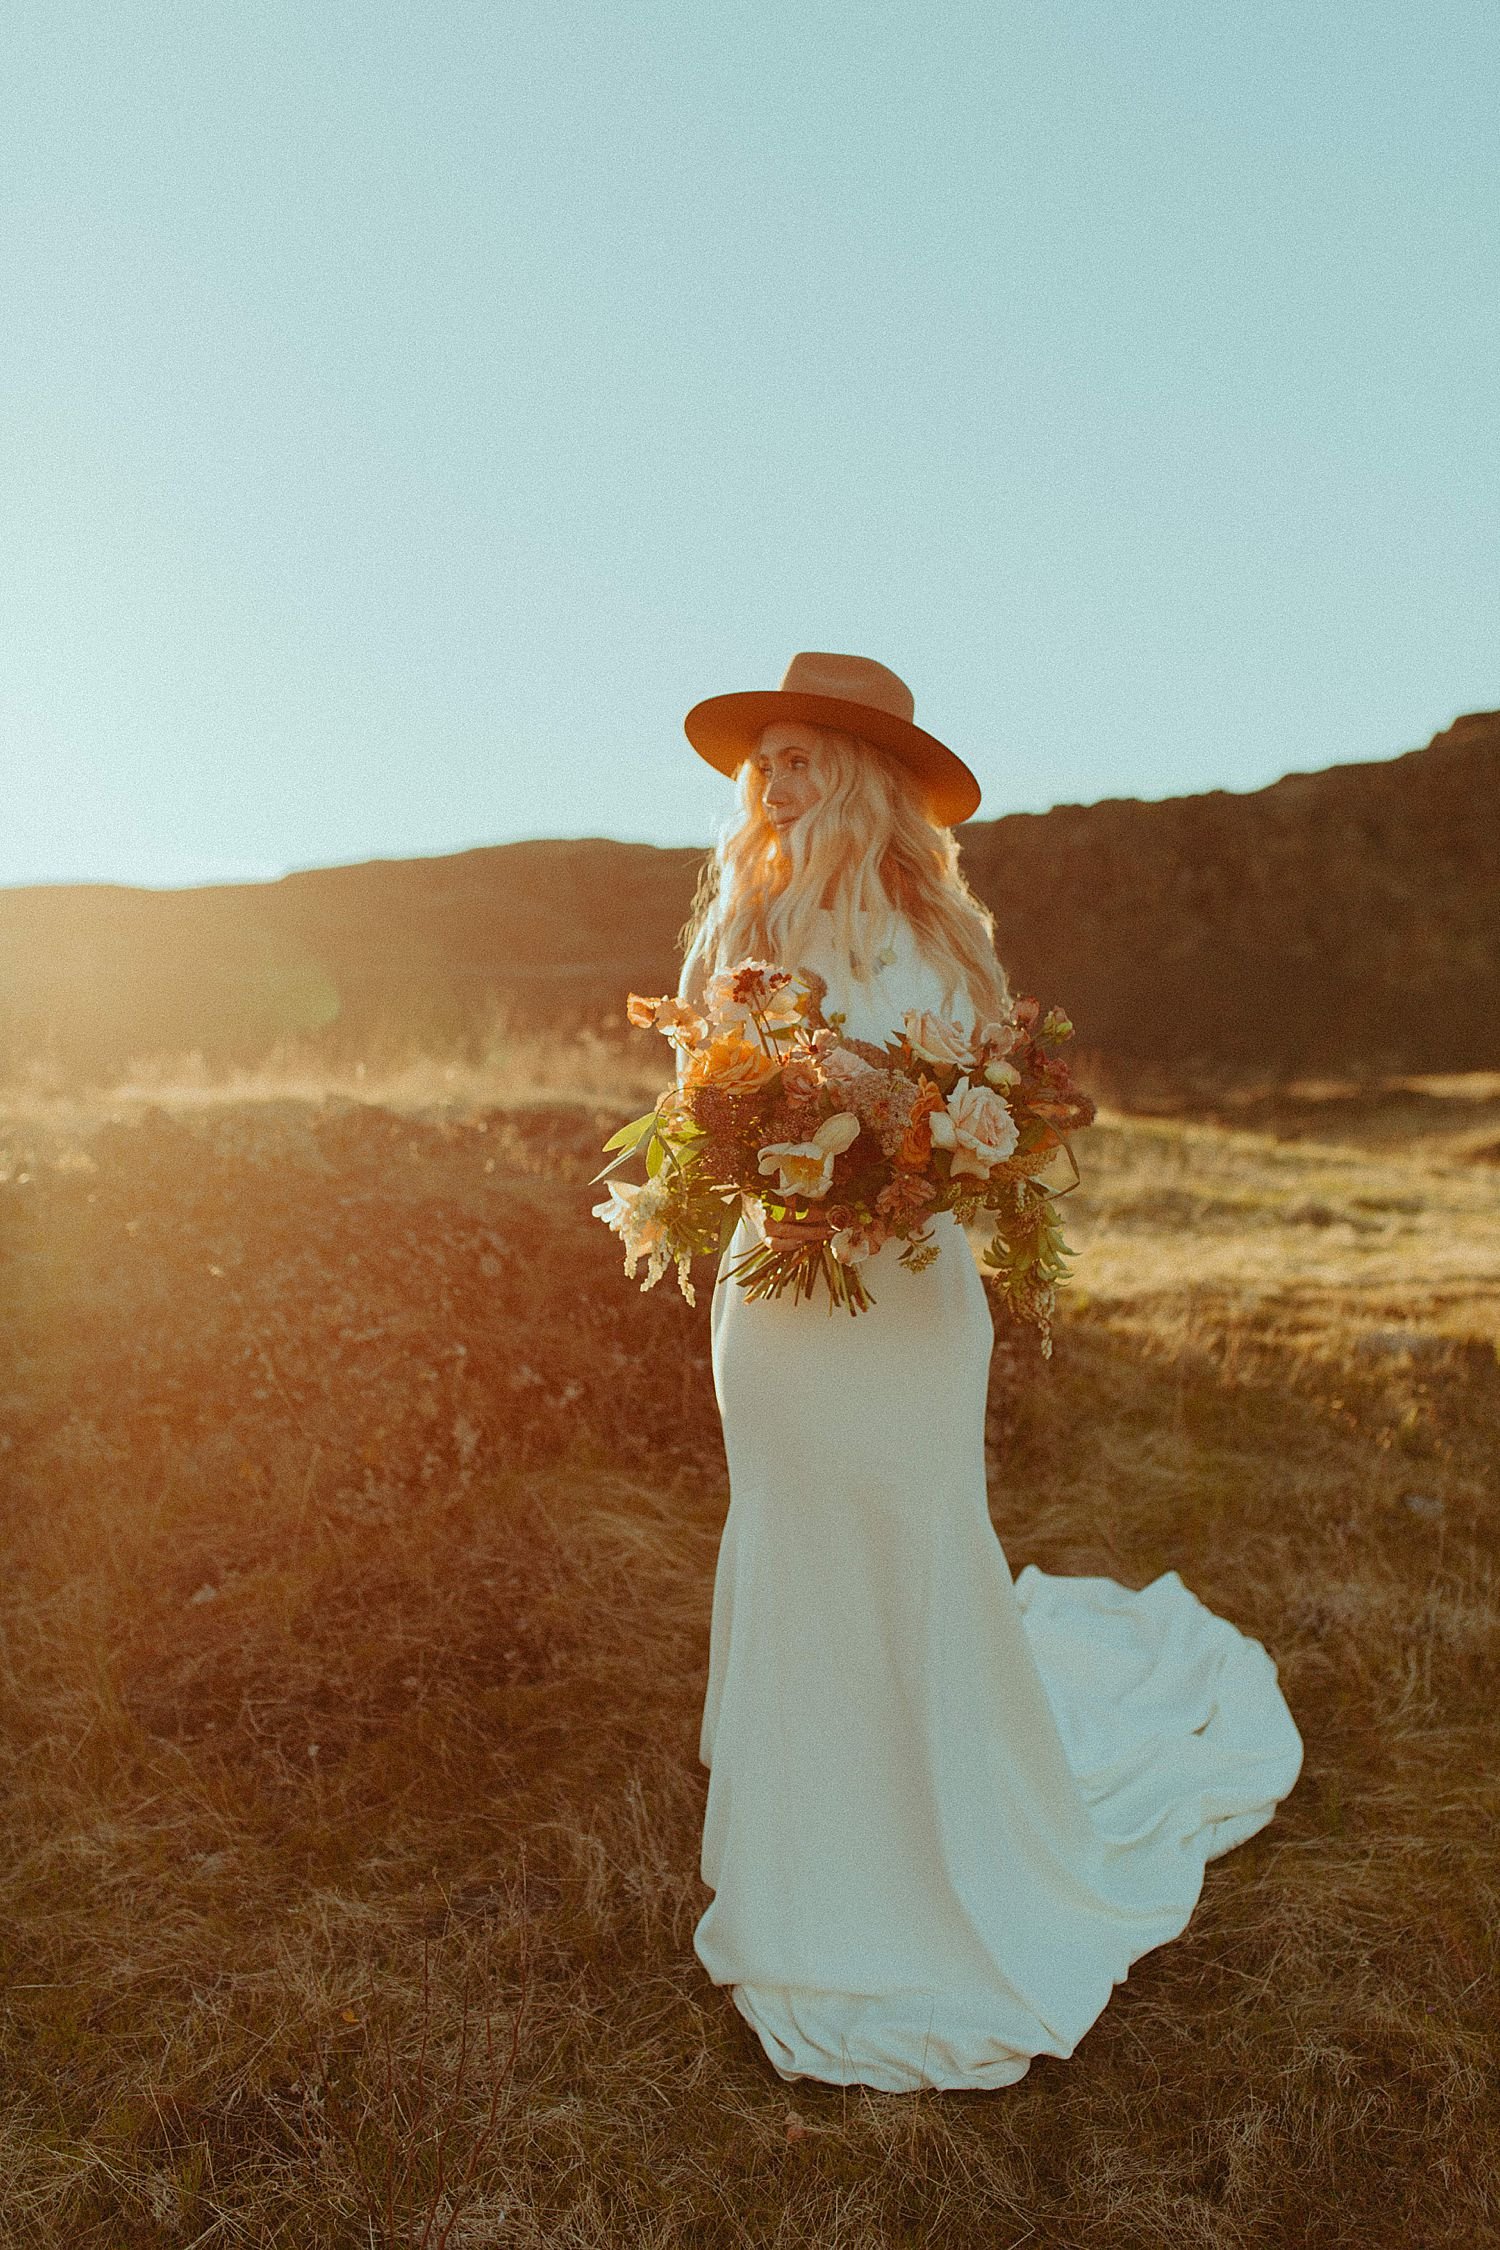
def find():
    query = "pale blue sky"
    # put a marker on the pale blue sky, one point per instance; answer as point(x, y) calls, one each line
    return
point(411, 410)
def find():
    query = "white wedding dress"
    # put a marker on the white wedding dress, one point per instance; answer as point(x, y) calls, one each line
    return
point(945, 1812)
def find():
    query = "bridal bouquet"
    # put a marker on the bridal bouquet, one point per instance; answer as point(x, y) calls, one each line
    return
point(775, 1107)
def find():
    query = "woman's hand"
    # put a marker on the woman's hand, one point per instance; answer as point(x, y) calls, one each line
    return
point(790, 1234)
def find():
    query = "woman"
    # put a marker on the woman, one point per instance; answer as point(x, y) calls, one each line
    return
point(945, 1812)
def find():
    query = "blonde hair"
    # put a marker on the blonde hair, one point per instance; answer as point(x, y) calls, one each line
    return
point(870, 843)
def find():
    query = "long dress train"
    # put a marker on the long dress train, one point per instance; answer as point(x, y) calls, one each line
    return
point(945, 1812)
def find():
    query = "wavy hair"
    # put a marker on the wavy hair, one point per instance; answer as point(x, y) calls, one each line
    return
point(871, 845)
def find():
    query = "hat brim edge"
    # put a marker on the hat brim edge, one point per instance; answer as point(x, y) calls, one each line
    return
point(724, 729)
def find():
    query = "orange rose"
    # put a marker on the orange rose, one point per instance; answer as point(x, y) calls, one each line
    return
point(916, 1141)
point(731, 1064)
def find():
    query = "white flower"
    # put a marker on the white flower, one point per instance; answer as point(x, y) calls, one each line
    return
point(999, 1072)
point(633, 1210)
point(976, 1124)
point(937, 1039)
point(774, 997)
point(805, 1168)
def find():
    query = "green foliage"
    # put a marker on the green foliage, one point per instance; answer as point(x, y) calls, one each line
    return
point(1028, 1253)
point(629, 1135)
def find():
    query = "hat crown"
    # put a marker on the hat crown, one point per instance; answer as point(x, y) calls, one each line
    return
point(851, 679)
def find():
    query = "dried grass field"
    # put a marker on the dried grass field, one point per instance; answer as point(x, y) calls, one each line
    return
point(359, 1528)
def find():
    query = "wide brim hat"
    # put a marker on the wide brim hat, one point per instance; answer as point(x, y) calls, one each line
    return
point(852, 693)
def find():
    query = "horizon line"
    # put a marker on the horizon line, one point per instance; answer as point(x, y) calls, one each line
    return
point(266, 880)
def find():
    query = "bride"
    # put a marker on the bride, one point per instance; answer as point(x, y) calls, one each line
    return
point(946, 1811)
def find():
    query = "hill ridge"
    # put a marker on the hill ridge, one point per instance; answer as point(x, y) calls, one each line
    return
point(1342, 920)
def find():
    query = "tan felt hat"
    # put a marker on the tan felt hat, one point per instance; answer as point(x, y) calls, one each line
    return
point(850, 692)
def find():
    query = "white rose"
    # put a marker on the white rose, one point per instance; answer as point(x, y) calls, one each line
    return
point(976, 1124)
point(937, 1039)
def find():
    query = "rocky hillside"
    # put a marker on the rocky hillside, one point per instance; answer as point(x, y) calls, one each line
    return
point(1342, 922)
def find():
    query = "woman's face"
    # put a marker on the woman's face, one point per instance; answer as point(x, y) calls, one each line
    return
point(787, 760)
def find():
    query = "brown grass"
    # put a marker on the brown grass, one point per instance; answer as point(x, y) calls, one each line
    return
point(359, 1525)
